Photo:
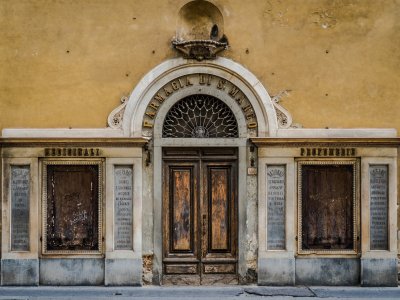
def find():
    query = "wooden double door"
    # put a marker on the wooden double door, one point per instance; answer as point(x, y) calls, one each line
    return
point(200, 216)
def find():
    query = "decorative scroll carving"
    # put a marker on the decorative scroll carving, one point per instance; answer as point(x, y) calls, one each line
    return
point(284, 117)
point(115, 118)
point(200, 116)
point(200, 49)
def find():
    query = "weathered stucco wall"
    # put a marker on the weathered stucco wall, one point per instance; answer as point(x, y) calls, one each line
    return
point(67, 63)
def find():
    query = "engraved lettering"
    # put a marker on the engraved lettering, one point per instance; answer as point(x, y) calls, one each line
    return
point(123, 191)
point(188, 82)
point(379, 207)
point(276, 186)
point(159, 98)
point(221, 85)
point(167, 92)
point(205, 79)
point(147, 124)
point(239, 100)
point(175, 85)
point(150, 114)
point(20, 191)
point(234, 91)
point(247, 108)
point(252, 125)
point(154, 106)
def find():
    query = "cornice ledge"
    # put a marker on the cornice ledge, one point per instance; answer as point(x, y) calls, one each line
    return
point(326, 142)
point(73, 142)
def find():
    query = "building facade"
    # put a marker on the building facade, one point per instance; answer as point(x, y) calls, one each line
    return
point(201, 175)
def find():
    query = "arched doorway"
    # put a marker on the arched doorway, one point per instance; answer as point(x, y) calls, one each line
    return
point(200, 212)
point(144, 115)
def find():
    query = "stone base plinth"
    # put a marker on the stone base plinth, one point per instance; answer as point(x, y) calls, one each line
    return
point(19, 272)
point(72, 271)
point(123, 272)
point(379, 272)
point(327, 271)
point(276, 271)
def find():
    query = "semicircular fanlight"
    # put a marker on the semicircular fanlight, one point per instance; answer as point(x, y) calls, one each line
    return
point(200, 116)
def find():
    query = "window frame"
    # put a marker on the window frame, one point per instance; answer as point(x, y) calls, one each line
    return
point(355, 203)
point(72, 162)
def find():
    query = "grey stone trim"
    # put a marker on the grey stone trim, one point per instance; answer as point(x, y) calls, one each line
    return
point(379, 272)
point(276, 271)
point(127, 272)
point(19, 272)
point(72, 271)
point(327, 271)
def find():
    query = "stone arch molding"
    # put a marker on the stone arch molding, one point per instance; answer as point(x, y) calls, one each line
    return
point(131, 116)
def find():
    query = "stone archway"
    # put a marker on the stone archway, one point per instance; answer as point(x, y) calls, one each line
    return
point(144, 115)
point(240, 77)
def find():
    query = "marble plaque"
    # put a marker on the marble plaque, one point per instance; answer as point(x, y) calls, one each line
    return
point(20, 190)
point(276, 186)
point(123, 193)
point(378, 207)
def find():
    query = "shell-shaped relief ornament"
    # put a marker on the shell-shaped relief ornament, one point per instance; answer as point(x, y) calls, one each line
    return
point(116, 116)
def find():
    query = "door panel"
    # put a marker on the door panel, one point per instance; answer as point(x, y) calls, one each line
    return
point(219, 207)
point(199, 216)
point(180, 235)
point(181, 207)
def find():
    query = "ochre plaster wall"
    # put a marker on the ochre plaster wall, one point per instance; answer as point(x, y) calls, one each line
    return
point(66, 63)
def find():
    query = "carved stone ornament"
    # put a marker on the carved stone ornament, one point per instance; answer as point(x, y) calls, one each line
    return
point(284, 117)
point(115, 117)
point(200, 49)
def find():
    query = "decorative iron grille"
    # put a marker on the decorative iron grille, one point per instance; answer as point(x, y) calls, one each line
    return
point(200, 116)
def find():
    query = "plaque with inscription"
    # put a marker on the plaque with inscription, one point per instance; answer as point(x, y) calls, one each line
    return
point(123, 193)
point(20, 190)
point(327, 206)
point(378, 175)
point(276, 186)
point(72, 207)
